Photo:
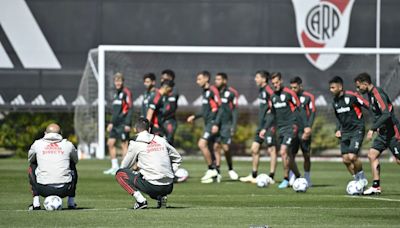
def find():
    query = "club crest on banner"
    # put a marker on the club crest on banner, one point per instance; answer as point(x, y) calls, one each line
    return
point(322, 24)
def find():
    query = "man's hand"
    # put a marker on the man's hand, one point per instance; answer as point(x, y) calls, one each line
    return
point(370, 134)
point(262, 133)
point(127, 128)
point(109, 127)
point(307, 133)
point(338, 134)
point(214, 129)
point(190, 119)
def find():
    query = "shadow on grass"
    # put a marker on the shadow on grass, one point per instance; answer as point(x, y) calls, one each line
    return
point(322, 185)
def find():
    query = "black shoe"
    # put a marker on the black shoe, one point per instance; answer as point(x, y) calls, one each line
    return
point(162, 202)
point(138, 205)
point(72, 207)
point(32, 208)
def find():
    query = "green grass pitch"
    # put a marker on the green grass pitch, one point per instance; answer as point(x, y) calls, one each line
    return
point(192, 204)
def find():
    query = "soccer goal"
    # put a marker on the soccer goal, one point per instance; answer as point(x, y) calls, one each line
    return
point(240, 63)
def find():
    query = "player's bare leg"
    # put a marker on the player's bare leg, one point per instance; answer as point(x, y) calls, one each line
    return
point(211, 172)
point(228, 156)
point(274, 157)
point(373, 156)
point(358, 170)
point(255, 154)
point(113, 156)
point(285, 161)
point(217, 154)
point(292, 165)
point(307, 162)
point(349, 165)
point(124, 147)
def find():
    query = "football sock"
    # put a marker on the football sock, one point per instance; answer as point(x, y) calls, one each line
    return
point(360, 175)
point(217, 168)
point(286, 178)
point(376, 183)
point(36, 201)
point(139, 197)
point(272, 175)
point(114, 163)
point(307, 175)
point(71, 201)
point(254, 174)
point(210, 167)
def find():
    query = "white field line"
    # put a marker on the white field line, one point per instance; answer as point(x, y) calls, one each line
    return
point(374, 198)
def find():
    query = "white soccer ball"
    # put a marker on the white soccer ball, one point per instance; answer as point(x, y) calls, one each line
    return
point(262, 180)
point(354, 188)
point(181, 175)
point(52, 203)
point(300, 185)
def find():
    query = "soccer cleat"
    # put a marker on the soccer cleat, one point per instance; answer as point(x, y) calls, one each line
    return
point(210, 173)
point(283, 184)
point(110, 171)
point(138, 205)
point(218, 178)
point(292, 178)
point(72, 207)
point(207, 181)
point(373, 191)
point(162, 202)
point(233, 175)
point(271, 181)
point(248, 179)
point(32, 208)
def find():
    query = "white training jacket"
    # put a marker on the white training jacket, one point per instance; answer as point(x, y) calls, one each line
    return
point(53, 155)
point(156, 158)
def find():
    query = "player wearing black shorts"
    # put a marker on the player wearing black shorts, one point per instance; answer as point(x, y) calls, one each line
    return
point(210, 104)
point(149, 81)
point(385, 124)
point(350, 126)
point(225, 122)
point(306, 120)
point(264, 95)
point(120, 125)
point(284, 109)
point(170, 106)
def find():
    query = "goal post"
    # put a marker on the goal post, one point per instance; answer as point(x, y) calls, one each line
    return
point(103, 50)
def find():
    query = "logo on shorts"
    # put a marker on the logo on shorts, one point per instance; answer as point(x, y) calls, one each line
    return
point(322, 24)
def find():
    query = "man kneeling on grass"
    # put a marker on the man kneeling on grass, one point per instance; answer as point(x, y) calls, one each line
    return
point(52, 169)
point(156, 161)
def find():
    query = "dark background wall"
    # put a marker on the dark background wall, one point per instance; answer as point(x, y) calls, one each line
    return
point(72, 27)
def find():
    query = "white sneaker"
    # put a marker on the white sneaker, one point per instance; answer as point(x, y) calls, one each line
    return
point(248, 179)
point(233, 175)
point(110, 171)
point(372, 191)
point(292, 178)
point(216, 179)
point(219, 178)
point(210, 173)
point(271, 181)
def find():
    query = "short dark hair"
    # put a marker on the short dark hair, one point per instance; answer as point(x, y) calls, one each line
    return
point(205, 74)
point(336, 79)
point(264, 74)
point(150, 76)
point(170, 73)
point(296, 80)
point(276, 75)
point(168, 83)
point(363, 77)
point(223, 75)
point(142, 124)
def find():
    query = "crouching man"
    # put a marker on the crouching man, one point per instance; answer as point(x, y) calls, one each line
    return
point(156, 161)
point(52, 169)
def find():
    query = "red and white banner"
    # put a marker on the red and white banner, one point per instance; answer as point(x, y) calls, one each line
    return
point(322, 24)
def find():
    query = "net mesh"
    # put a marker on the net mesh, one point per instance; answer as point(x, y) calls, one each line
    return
point(240, 69)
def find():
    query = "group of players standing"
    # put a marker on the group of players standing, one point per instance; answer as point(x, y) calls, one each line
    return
point(285, 121)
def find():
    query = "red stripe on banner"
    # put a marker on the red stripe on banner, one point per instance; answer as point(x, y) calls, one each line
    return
point(307, 42)
point(340, 4)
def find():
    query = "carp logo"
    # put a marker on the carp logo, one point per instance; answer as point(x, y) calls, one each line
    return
point(322, 24)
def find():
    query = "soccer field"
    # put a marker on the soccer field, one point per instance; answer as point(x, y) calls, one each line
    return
point(103, 203)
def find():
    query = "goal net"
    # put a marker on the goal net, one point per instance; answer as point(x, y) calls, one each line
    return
point(240, 63)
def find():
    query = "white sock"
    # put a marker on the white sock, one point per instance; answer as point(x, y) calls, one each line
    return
point(71, 201)
point(307, 175)
point(360, 175)
point(114, 163)
point(139, 197)
point(36, 201)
